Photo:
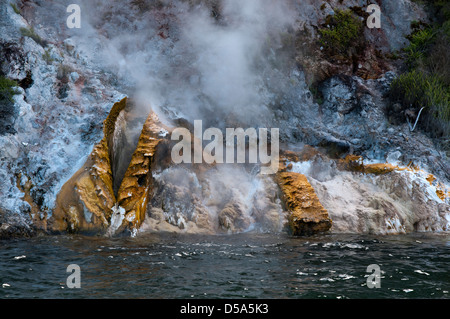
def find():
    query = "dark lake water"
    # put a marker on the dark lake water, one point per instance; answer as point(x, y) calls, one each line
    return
point(227, 266)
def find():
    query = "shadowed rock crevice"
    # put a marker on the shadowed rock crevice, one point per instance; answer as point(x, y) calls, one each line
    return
point(123, 143)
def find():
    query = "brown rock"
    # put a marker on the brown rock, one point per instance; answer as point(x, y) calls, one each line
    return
point(369, 66)
point(305, 154)
point(134, 190)
point(87, 200)
point(355, 163)
point(307, 216)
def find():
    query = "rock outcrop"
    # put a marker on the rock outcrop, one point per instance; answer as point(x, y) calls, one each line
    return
point(306, 214)
point(87, 202)
point(135, 188)
point(86, 199)
point(377, 198)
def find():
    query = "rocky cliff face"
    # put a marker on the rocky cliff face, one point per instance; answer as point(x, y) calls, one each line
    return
point(59, 113)
point(376, 198)
point(88, 202)
point(231, 64)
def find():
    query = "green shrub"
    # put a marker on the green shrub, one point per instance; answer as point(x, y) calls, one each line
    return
point(47, 57)
point(7, 90)
point(16, 10)
point(446, 28)
point(426, 82)
point(437, 98)
point(32, 34)
point(416, 89)
point(341, 32)
point(418, 46)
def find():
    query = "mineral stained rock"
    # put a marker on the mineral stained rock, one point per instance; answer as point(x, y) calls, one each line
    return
point(374, 198)
point(307, 216)
point(135, 187)
point(87, 201)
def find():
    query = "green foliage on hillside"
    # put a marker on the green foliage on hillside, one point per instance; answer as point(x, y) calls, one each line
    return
point(32, 34)
point(341, 32)
point(7, 90)
point(426, 82)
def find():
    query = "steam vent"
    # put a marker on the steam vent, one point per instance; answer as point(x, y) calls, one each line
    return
point(103, 197)
point(214, 149)
point(87, 201)
point(125, 181)
point(98, 198)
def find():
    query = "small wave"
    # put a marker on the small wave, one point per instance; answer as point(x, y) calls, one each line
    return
point(343, 245)
point(20, 257)
point(408, 290)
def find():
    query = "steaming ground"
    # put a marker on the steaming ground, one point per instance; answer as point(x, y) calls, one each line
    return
point(184, 63)
point(221, 199)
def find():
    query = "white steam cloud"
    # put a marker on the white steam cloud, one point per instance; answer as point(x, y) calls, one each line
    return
point(185, 62)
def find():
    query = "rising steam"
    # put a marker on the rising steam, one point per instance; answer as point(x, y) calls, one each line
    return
point(188, 61)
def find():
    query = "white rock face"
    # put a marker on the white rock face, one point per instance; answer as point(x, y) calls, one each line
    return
point(118, 214)
point(393, 203)
point(54, 134)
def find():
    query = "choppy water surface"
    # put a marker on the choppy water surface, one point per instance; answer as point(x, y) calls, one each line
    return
point(232, 266)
